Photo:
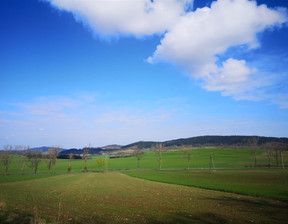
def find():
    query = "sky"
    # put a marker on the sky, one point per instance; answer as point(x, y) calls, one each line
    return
point(75, 73)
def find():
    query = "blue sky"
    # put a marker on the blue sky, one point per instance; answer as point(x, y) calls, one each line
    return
point(82, 72)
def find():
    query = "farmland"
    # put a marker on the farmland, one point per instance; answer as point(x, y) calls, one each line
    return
point(262, 183)
point(233, 193)
point(118, 198)
point(200, 158)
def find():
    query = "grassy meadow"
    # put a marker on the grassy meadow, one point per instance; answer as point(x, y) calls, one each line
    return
point(230, 194)
point(260, 182)
point(200, 158)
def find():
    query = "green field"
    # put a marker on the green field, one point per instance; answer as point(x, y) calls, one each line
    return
point(175, 195)
point(200, 158)
point(118, 198)
point(271, 183)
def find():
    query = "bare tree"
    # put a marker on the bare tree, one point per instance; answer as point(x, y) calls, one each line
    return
point(6, 157)
point(283, 147)
point(211, 162)
point(158, 153)
point(106, 163)
point(253, 143)
point(49, 162)
point(279, 148)
point(53, 152)
point(269, 152)
point(22, 153)
point(85, 156)
point(138, 154)
point(276, 154)
point(71, 156)
point(35, 157)
point(187, 154)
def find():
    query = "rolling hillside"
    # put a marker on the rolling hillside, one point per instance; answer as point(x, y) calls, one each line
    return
point(200, 141)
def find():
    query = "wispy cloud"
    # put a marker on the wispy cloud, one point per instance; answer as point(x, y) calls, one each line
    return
point(83, 119)
point(54, 104)
point(76, 121)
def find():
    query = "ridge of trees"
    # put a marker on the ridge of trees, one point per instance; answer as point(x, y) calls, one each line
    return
point(199, 141)
point(209, 140)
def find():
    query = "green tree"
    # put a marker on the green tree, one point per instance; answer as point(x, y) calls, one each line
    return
point(100, 163)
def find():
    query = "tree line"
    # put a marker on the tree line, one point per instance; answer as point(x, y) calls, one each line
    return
point(28, 157)
point(209, 140)
point(32, 158)
point(273, 150)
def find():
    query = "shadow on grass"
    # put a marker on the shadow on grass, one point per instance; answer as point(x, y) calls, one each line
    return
point(268, 211)
point(14, 216)
point(183, 218)
point(251, 203)
point(10, 215)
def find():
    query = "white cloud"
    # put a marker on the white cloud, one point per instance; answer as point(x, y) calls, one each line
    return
point(231, 78)
point(136, 17)
point(193, 40)
point(200, 36)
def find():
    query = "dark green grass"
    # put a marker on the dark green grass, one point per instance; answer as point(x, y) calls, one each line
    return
point(14, 178)
point(270, 183)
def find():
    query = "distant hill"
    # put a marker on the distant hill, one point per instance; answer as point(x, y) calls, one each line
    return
point(42, 148)
point(80, 151)
point(209, 140)
point(113, 147)
point(91, 150)
point(200, 141)
point(141, 145)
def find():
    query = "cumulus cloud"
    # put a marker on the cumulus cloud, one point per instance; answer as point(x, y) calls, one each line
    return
point(193, 40)
point(231, 78)
point(136, 17)
point(200, 36)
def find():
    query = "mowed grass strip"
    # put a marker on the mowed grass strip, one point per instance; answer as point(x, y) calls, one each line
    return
point(271, 183)
point(119, 198)
point(15, 178)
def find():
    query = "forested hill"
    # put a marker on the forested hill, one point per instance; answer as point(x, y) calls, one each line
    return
point(200, 141)
point(213, 140)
